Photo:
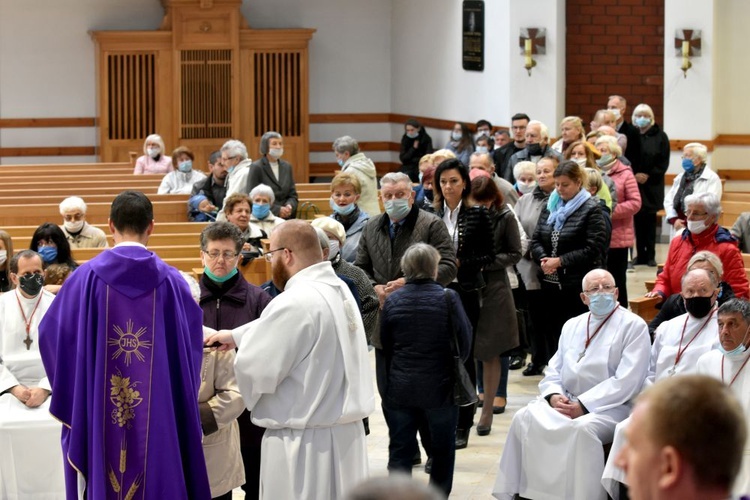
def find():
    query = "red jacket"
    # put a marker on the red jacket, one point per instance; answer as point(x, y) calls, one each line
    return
point(715, 239)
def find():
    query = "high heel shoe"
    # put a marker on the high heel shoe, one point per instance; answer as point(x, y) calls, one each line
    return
point(483, 430)
point(462, 438)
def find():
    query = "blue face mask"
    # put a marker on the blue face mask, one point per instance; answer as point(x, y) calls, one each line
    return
point(231, 169)
point(482, 149)
point(49, 254)
point(217, 279)
point(412, 136)
point(185, 166)
point(340, 162)
point(261, 210)
point(397, 209)
point(737, 352)
point(456, 136)
point(687, 165)
point(345, 210)
point(642, 122)
point(601, 304)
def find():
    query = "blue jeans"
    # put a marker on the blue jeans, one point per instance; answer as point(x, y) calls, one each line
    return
point(502, 387)
point(402, 431)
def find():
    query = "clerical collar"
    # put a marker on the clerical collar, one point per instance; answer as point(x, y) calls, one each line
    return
point(26, 299)
point(130, 244)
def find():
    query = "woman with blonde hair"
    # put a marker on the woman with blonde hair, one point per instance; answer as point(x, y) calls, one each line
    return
point(571, 130)
point(345, 194)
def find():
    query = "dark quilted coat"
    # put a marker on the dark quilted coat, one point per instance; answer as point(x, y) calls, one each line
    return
point(417, 344)
point(581, 244)
point(654, 163)
point(475, 245)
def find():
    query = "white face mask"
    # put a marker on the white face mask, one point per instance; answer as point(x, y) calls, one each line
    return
point(276, 152)
point(526, 187)
point(581, 162)
point(696, 226)
point(3, 256)
point(73, 226)
point(616, 112)
point(153, 152)
point(333, 248)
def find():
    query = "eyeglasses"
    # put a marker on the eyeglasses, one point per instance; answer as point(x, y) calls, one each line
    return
point(73, 217)
point(224, 255)
point(269, 254)
point(600, 289)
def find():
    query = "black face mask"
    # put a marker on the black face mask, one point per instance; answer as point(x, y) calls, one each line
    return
point(534, 149)
point(427, 193)
point(698, 307)
point(31, 284)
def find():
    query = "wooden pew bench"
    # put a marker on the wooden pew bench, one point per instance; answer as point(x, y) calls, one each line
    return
point(97, 213)
point(161, 228)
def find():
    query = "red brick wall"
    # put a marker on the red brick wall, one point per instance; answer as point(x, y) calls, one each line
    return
point(614, 47)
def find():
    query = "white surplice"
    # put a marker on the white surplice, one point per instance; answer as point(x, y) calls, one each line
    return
point(550, 456)
point(31, 461)
point(663, 356)
point(303, 371)
point(710, 364)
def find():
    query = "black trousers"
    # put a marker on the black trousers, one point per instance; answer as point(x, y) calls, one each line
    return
point(645, 236)
point(617, 265)
point(537, 334)
point(559, 306)
point(470, 301)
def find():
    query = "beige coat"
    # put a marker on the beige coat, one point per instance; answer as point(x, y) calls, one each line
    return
point(220, 404)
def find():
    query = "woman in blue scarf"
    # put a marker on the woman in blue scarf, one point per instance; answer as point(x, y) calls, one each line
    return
point(568, 242)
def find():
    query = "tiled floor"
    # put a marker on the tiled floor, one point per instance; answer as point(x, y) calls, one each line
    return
point(476, 466)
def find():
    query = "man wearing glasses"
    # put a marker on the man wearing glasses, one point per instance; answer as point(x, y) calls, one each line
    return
point(303, 370)
point(554, 445)
point(501, 157)
point(228, 301)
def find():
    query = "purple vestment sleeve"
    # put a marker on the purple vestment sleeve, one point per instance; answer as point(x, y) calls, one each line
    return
point(122, 346)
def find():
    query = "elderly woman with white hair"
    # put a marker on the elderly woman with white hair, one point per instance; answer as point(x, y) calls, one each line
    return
point(78, 232)
point(262, 199)
point(153, 160)
point(276, 173)
point(235, 161)
point(628, 203)
point(694, 178)
point(703, 232)
point(353, 161)
point(649, 173)
point(525, 174)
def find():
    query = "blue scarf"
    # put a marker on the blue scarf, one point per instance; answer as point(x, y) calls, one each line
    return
point(560, 210)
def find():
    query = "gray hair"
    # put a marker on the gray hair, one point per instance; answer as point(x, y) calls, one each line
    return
point(72, 203)
point(322, 238)
point(264, 141)
point(395, 178)
point(263, 190)
point(699, 150)
point(23, 254)
point(524, 167)
point(736, 305)
point(713, 279)
point(484, 156)
point(543, 129)
point(711, 258)
point(222, 231)
point(154, 138)
point(397, 486)
point(346, 144)
point(420, 261)
point(611, 142)
point(620, 98)
point(596, 271)
point(233, 148)
point(709, 200)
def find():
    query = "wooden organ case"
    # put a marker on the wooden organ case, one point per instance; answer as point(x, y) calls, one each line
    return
point(202, 78)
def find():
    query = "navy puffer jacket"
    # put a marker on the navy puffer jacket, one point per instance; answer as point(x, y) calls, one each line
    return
point(416, 339)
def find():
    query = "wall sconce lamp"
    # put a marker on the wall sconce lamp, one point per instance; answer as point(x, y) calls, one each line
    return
point(532, 41)
point(687, 44)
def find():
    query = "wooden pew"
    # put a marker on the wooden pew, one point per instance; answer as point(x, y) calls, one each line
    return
point(731, 211)
point(307, 209)
point(161, 228)
point(181, 263)
point(74, 189)
point(97, 213)
point(165, 252)
point(92, 167)
point(735, 196)
point(257, 271)
point(63, 171)
point(645, 307)
point(138, 182)
point(99, 176)
point(92, 198)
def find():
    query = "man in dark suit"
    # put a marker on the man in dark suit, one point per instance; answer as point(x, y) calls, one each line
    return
point(618, 105)
point(501, 157)
point(272, 171)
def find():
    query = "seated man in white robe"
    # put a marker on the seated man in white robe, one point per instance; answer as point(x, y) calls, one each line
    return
point(303, 371)
point(678, 344)
point(727, 363)
point(30, 457)
point(685, 441)
point(555, 445)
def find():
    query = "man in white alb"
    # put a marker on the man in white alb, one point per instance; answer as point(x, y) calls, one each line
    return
point(303, 371)
point(554, 445)
point(30, 455)
point(728, 364)
point(678, 344)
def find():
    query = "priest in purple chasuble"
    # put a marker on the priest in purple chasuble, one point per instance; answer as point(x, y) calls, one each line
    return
point(122, 347)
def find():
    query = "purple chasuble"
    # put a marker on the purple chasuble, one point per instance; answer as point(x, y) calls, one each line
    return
point(122, 347)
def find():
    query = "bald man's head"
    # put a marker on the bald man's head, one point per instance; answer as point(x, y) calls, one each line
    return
point(300, 238)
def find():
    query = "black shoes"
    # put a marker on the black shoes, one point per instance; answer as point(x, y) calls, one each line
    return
point(462, 438)
point(517, 362)
point(652, 263)
point(532, 370)
point(416, 460)
point(428, 466)
point(483, 430)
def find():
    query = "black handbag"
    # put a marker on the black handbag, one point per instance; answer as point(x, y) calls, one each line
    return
point(464, 393)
